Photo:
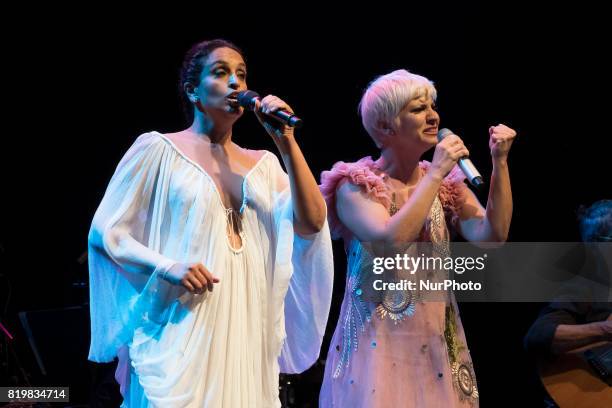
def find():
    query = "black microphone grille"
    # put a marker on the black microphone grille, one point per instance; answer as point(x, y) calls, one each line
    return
point(245, 98)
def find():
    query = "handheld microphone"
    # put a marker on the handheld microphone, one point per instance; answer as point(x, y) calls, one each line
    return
point(247, 100)
point(465, 164)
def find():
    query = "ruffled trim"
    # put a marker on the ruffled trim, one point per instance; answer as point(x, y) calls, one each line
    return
point(365, 173)
point(452, 193)
point(360, 173)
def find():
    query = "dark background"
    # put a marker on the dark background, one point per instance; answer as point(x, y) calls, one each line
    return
point(88, 82)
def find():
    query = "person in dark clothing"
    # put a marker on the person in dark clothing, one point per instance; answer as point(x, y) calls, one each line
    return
point(566, 324)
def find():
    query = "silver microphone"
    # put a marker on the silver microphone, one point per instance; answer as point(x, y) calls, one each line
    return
point(465, 164)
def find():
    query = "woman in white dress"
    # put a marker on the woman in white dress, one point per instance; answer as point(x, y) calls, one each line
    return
point(210, 267)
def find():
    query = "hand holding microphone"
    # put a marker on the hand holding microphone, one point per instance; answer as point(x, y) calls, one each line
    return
point(500, 141)
point(270, 106)
point(451, 150)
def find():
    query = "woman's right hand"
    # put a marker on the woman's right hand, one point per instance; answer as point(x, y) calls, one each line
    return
point(192, 276)
point(448, 151)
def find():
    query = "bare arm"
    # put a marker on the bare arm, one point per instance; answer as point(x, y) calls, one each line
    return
point(572, 336)
point(493, 223)
point(370, 221)
point(308, 205)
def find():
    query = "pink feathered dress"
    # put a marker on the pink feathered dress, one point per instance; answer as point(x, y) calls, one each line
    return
point(414, 353)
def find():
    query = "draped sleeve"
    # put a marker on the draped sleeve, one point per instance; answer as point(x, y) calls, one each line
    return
point(303, 280)
point(125, 264)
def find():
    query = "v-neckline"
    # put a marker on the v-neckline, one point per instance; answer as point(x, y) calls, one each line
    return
point(212, 181)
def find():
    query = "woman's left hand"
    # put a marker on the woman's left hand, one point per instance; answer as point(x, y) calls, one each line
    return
point(500, 140)
point(275, 128)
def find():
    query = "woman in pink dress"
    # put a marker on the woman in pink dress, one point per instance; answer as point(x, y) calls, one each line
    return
point(394, 348)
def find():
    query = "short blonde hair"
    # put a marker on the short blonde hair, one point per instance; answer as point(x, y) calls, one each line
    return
point(387, 95)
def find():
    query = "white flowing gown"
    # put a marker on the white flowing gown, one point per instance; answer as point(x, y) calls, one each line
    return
point(223, 348)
